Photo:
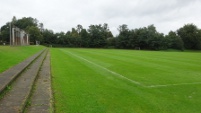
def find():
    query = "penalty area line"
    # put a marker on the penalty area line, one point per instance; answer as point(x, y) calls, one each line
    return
point(110, 71)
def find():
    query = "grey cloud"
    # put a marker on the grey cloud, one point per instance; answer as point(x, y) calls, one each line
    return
point(62, 15)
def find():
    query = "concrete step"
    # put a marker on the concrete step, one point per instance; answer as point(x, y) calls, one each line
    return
point(11, 74)
point(41, 99)
point(15, 99)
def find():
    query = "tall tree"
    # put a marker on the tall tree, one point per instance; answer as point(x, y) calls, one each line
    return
point(41, 27)
point(123, 37)
point(79, 28)
point(26, 22)
point(85, 39)
point(142, 37)
point(5, 33)
point(74, 33)
point(123, 28)
point(35, 34)
point(48, 37)
point(154, 38)
point(174, 41)
point(191, 36)
point(97, 35)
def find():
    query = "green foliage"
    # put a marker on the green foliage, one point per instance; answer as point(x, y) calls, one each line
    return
point(174, 41)
point(191, 36)
point(188, 37)
point(144, 38)
point(84, 80)
point(8, 87)
point(5, 33)
point(49, 37)
point(148, 38)
point(35, 34)
point(100, 36)
point(28, 24)
point(31, 26)
point(95, 36)
point(85, 39)
point(123, 38)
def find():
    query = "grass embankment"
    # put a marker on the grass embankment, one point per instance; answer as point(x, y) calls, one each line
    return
point(119, 81)
point(10, 56)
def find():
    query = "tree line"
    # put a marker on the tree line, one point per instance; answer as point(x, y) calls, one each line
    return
point(29, 24)
point(100, 36)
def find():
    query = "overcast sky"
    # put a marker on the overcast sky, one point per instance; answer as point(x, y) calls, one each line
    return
point(62, 15)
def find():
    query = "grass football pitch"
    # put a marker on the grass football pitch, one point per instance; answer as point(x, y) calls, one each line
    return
point(10, 56)
point(126, 81)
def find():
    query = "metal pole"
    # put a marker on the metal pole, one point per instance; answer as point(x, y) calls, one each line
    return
point(10, 34)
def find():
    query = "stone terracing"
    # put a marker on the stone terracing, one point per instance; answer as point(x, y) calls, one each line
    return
point(21, 79)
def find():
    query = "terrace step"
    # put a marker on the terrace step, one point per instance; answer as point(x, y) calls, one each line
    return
point(24, 75)
point(41, 99)
point(8, 76)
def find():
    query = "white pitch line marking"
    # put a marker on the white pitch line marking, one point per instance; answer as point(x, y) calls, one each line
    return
point(132, 81)
point(112, 72)
point(167, 85)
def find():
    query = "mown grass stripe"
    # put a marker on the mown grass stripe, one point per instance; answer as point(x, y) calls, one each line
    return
point(125, 78)
point(110, 71)
point(171, 80)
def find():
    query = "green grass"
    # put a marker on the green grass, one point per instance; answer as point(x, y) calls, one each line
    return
point(10, 56)
point(118, 81)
